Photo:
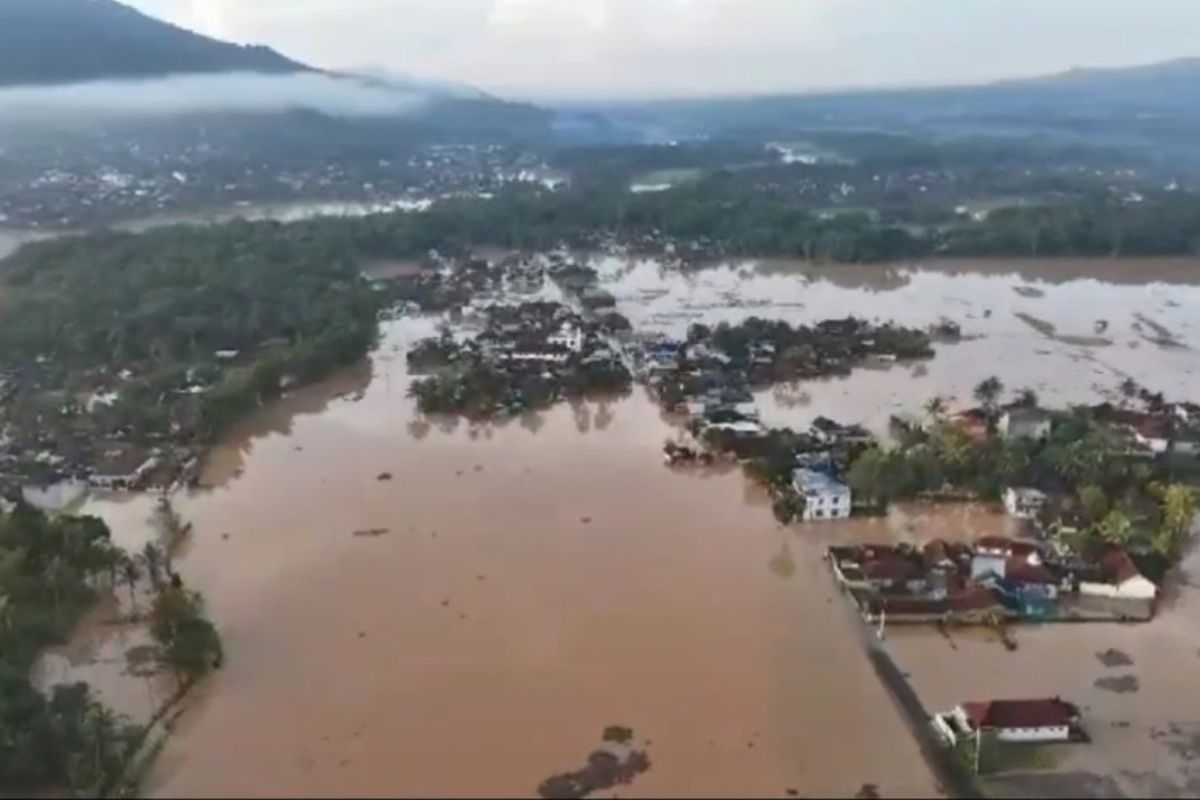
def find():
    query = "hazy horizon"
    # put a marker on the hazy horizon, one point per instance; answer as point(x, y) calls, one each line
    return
point(571, 50)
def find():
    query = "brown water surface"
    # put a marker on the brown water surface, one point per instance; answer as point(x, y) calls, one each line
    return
point(534, 582)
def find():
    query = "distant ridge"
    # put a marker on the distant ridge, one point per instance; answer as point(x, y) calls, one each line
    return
point(71, 41)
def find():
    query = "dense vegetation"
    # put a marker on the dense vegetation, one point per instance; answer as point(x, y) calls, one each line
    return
point(1107, 492)
point(51, 569)
point(185, 329)
point(737, 213)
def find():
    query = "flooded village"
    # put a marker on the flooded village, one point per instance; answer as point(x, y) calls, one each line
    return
point(535, 574)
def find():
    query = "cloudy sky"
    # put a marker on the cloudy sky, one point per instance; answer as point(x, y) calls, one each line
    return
point(546, 49)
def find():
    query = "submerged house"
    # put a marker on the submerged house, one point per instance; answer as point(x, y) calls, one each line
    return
point(825, 497)
point(1118, 578)
point(122, 467)
point(1024, 502)
point(1024, 422)
point(829, 432)
point(1012, 721)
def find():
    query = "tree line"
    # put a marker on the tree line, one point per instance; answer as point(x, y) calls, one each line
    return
point(51, 570)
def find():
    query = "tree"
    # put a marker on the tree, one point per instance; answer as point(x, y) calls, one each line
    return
point(935, 407)
point(1179, 509)
point(1093, 504)
point(189, 643)
point(786, 507)
point(988, 392)
point(1179, 518)
point(1129, 390)
point(152, 557)
point(1116, 528)
point(130, 574)
point(1027, 397)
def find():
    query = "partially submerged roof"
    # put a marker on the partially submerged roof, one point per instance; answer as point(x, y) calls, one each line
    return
point(811, 480)
point(1117, 567)
point(1008, 714)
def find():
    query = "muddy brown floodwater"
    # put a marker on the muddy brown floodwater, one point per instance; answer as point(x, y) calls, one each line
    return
point(542, 580)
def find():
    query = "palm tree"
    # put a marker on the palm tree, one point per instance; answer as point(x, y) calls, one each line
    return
point(55, 573)
point(1027, 397)
point(1129, 390)
point(988, 392)
point(130, 574)
point(1179, 508)
point(152, 557)
point(935, 407)
point(1116, 528)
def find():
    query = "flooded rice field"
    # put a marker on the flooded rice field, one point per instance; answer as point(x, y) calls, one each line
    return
point(422, 607)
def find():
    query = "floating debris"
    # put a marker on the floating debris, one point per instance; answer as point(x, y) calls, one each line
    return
point(1125, 684)
point(617, 765)
point(371, 533)
point(1114, 658)
point(618, 733)
point(383, 476)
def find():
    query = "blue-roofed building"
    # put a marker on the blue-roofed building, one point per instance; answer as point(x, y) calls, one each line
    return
point(825, 497)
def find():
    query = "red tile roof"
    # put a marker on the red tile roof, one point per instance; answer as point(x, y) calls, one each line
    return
point(1019, 570)
point(892, 568)
point(1117, 567)
point(1006, 714)
point(1151, 426)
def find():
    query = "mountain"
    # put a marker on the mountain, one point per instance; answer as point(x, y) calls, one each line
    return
point(68, 41)
point(1154, 109)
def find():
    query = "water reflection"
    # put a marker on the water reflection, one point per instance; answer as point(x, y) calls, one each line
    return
point(783, 565)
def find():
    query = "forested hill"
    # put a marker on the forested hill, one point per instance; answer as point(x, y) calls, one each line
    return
point(66, 41)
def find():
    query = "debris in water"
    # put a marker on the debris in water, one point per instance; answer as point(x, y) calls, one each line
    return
point(618, 733)
point(585, 520)
point(790, 792)
point(383, 476)
point(445, 603)
point(479, 468)
point(869, 791)
point(372, 532)
point(1114, 658)
point(617, 765)
point(1125, 684)
point(225, 536)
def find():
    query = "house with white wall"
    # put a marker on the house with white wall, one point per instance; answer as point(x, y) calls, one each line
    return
point(1024, 502)
point(1011, 721)
point(1118, 578)
point(825, 497)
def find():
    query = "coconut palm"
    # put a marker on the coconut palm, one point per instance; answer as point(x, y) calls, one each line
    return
point(1179, 509)
point(935, 407)
point(1129, 390)
point(130, 574)
point(988, 392)
point(1027, 397)
point(1116, 528)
